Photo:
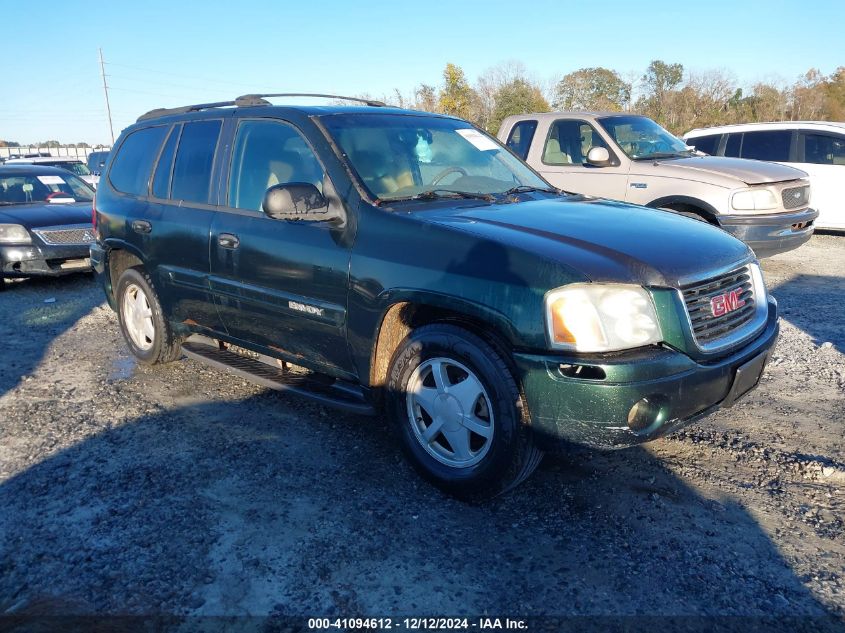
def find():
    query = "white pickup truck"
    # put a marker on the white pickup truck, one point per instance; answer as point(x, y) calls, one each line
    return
point(631, 158)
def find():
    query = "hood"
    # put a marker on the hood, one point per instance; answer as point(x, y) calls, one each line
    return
point(602, 240)
point(708, 168)
point(37, 215)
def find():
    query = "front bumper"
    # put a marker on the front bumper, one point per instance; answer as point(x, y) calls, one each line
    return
point(594, 411)
point(35, 260)
point(773, 233)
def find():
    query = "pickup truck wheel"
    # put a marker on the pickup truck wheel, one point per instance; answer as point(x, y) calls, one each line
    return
point(149, 335)
point(458, 413)
point(687, 214)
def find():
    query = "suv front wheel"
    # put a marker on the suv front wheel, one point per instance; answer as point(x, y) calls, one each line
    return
point(149, 335)
point(459, 414)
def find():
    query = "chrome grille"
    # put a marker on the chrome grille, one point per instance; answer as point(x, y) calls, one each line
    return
point(66, 237)
point(708, 328)
point(796, 197)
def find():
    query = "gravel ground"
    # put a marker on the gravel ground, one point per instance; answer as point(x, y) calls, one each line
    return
point(183, 490)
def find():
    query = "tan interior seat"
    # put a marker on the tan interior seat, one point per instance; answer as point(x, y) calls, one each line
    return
point(280, 171)
point(553, 154)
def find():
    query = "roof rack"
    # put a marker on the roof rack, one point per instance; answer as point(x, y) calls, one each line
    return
point(250, 100)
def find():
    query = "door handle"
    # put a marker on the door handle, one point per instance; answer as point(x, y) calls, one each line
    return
point(227, 240)
point(141, 226)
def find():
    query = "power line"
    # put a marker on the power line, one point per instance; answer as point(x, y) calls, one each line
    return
point(183, 75)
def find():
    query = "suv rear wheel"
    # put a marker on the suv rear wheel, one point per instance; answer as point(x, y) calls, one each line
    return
point(142, 322)
point(458, 413)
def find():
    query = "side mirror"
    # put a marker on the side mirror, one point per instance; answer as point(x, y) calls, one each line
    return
point(598, 157)
point(297, 201)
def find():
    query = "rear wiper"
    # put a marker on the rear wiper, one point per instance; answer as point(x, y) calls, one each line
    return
point(528, 189)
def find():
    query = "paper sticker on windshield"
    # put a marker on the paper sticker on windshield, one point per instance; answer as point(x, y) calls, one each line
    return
point(51, 180)
point(478, 139)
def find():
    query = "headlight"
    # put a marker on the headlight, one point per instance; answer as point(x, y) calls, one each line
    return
point(601, 318)
point(14, 234)
point(754, 200)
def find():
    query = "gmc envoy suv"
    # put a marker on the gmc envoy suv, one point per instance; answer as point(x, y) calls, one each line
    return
point(630, 157)
point(379, 259)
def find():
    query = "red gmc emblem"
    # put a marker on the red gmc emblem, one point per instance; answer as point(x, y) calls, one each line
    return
point(728, 302)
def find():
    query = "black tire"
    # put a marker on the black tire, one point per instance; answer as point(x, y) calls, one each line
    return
point(687, 214)
point(512, 455)
point(165, 346)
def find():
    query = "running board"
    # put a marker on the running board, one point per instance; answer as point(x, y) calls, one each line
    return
point(318, 387)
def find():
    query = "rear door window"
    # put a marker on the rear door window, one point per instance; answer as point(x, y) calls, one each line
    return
point(194, 161)
point(734, 145)
point(767, 145)
point(707, 144)
point(519, 140)
point(130, 169)
point(824, 149)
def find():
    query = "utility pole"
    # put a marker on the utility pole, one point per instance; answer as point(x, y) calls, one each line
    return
point(106, 91)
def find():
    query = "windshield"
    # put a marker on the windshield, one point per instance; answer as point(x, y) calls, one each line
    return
point(403, 156)
point(78, 168)
point(641, 138)
point(52, 188)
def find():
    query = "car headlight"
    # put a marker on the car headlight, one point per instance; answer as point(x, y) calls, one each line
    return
point(601, 318)
point(14, 234)
point(754, 200)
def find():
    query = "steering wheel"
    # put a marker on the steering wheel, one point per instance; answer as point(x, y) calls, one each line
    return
point(661, 146)
point(460, 170)
point(57, 194)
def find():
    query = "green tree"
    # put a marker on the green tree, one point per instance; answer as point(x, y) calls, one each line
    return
point(592, 89)
point(425, 98)
point(835, 96)
point(9, 143)
point(660, 81)
point(519, 96)
point(808, 96)
point(456, 96)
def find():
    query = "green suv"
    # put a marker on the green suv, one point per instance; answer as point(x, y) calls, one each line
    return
point(378, 259)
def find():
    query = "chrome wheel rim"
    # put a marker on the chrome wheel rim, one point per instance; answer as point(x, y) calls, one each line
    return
point(450, 412)
point(138, 317)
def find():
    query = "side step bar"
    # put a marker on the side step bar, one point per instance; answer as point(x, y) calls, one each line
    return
point(318, 387)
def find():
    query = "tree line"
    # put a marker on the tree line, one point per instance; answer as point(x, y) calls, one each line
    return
point(679, 100)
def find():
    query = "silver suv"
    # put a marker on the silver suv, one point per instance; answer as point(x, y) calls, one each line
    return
point(631, 158)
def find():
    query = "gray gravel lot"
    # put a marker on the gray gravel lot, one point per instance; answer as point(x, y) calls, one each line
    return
point(180, 489)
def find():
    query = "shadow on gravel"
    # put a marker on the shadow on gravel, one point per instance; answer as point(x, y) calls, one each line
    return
point(816, 304)
point(28, 325)
point(268, 506)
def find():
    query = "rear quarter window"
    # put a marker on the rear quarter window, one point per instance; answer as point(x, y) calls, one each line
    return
point(520, 137)
point(130, 169)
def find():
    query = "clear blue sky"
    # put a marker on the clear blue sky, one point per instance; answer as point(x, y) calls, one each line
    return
point(167, 53)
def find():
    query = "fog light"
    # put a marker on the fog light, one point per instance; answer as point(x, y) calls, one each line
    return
point(647, 414)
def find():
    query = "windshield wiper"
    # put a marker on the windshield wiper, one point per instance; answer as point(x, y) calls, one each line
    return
point(529, 189)
point(679, 154)
point(443, 194)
